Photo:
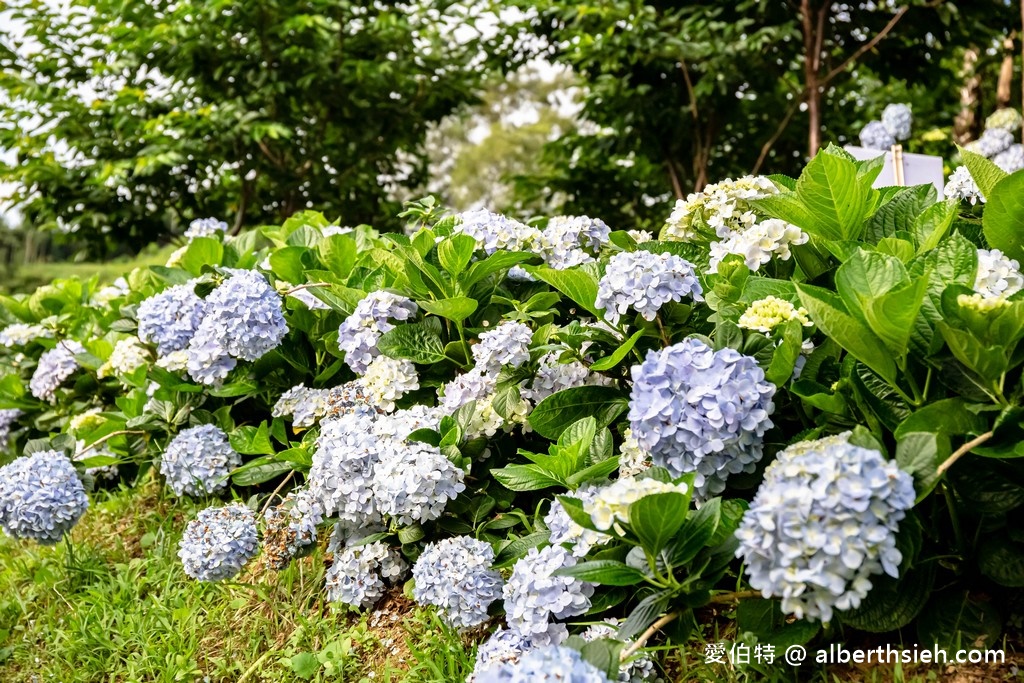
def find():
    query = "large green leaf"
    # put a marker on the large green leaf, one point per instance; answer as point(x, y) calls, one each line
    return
point(576, 283)
point(251, 440)
point(1004, 216)
point(899, 213)
point(765, 619)
point(920, 454)
point(456, 308)
point(985, 173)
point(455, 253)
point(559, 410)
point(893, 315)
point(656, 519)
point(202, 251)
point(603, 572)
point(955, 620)
point(933, 224)
point(1002, 560)
point(892, 603)
point(866, 276)
point(419, 342)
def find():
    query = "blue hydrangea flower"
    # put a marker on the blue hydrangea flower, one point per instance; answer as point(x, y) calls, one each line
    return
point(645, 282)
point(414, 482)
point(206, 360)
point(897, 119)
point(565, 531)
point(169, 319)
point(876, 136)
point(533, 596)
point(205, 227)
point(636, 670)
point(569, 241)
point(506, 344)
point(356, 576)
point(1010, 159)
point(475, 385)
point(7, 420)
point(993, 141)
point(552, 664)
point(198, 461)
point(455, 576)
point(493, 231)
point(823, 522)
point(290, 527)
point(219, 542)
point(699, 410)
point(341, 476)
point(358, 335)
point(553, 376)
point(54, 366)
point(41, 497)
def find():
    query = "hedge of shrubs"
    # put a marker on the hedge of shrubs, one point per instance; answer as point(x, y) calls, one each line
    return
point(803, 398)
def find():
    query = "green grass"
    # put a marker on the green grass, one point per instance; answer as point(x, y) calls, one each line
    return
point(26, 277)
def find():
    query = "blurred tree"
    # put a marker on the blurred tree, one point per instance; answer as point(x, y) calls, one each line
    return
point(131, 119)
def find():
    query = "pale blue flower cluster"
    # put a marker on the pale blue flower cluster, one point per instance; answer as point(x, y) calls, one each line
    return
point(569, 241)
point(474, 385)
point(341, 476)
point(54, 366)
point(553, 376)
point(823, 522)
point(359, 334)
point(244, 320)
point(699, 410)
point(198, 461)
point(493, 231)
point(357, 575)
point(7, 419)
point(645, 282)
point(290, 527)
point(205, 227)
point(551, 664)
point(565, 531)
point(876, 136)
point(41, 497)
point(455, 576)
point(897, 119)
point(1010, 159)
point(993, 141)
point(414, 482)
point(636, 670)
point(219, 542)
point(169, 319)
point(506, 344)
point(534, 596)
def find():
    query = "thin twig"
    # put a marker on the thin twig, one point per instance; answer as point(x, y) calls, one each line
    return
point(280, 486)
point(776, 135)
point(962, 451)
point(111, 435)
point(865, 47)
point(308, 285)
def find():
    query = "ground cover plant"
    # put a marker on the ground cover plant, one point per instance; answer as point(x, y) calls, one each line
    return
point(799, 402)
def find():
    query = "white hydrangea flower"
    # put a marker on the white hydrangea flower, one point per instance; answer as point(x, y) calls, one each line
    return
point(961, 186)
point(897, 119)
point(128, 356)
point(219, 542)
point(609, 506)
point(1011, 159)
point(554, 376)
point(104, 296)
point(569, 241)
point(414, 482)
point(982, 304)
point(633, 458)
point(998, 275)
point(759, 243)
point(723, 207)
point(640, 236)
point(506, 344)
point(206, 227)
point(20, 334)
point(645, 281)
point(401, 423)
point(494, 232)
point(304, 405)
point(356, 577)
point(388, 379)
point(765, 314)
point(175, 361)
point(534, 596)
point(474, 385)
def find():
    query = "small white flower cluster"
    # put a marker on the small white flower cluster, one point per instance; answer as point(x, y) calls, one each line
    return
point(55, 366)
point(553, 376)
point(205, 227)
point(414, 482)
point(998, 275)
point(304, 405)
point(534, 596)
point(759, 243)
point(455, 576)
point(766, 314)
point(609, 507)
point(290, 527)
point(21, 334)
point(564, 530)
point(358, 335)
point(387, 380)
point(128, 355)
point(645, 282)
point(357, 575)
point(636, 670)
point(41, 497)
point(982, 304)
point(961, 186)
point(103, 297)
point(494, 232)
point(723, 207)
point(507, 344)
point(198, 461)
point(633, 457)
point(400, 424)
point(219, 542)
point(569, 241)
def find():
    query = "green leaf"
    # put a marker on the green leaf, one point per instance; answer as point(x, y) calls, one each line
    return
point(893, 315)
point(603, 572)
point(765, 619)
point(291, 263)
point(338, 253)
point(951, 416)
point(697, 532)
point(1002, 560)
point(866, 276)
point(419, 342)
point(656, 519)
point(828, 313)
point(516, 549)
point(455, 253)
point(933, 224)
point(984, 172)
point(525, 478)
point(259, 470)
point(954, 620)
point(643, 615)
point(578, 284)
point(899, 213)
point(1004, 214)
point(456, 308)
point(920, 454)
point(202, 251)
point(604, 654)
point(786, 354)
point(609, 362)
point(556, 412)
point(304, 665)
point(250, 440)
point(499, 260)
point(892, 603)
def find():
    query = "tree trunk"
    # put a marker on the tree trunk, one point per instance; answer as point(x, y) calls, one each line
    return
point(813, 28)
point(1005, 86)
point(965, 123)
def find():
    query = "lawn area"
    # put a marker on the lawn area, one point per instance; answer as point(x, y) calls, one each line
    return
point(26, 277)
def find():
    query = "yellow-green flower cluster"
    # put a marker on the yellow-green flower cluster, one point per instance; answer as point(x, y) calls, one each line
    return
point(982, 303)
point(765, 314)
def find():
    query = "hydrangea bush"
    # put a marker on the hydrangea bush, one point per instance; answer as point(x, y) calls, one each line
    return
point(803, 397)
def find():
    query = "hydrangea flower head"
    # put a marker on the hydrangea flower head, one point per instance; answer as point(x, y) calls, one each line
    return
point(8, 417)
point(41, 497)
point(609, 506)
point(244, 316)
point(1007, 119)
point(205, 227)
point(455, 576)
point(358, 335)
point(290, 527)
point(198, 461)
point(494, 232)
point(506, 344)
point(413, 482)
point(722, 207)
point(474, 385)
point(356, 577)
point(569, 241)
point(998, 275)
point(897, 119)
point(993, 141)
point(766, 314)
point(533, 596)
point(550, 664)
point(961, 186)
point(564, 530)
point(633, 458)
point(55, 366)
point(304, 405)
point(128, 356)
point(1011, 159)
point(341, 476)
point(20, 334)
point(645, 282)
point(387, 380)
point(699, 410)
point(554, 376)
point(636, 670)
point(169, 319)
point(219, 542)
point(876, 136)
point(759, 243)
point(823, 522)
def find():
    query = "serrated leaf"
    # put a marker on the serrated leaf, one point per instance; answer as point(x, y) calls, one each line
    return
point(657, 518)
point(556, 412)
point(985, 173)
point(455, 253)
point(417, 342)
point(456, 308)
point(603, 572)
point(1004, 214)
point(609, 362)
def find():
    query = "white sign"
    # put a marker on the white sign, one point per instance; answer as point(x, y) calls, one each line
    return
point(918, 169)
